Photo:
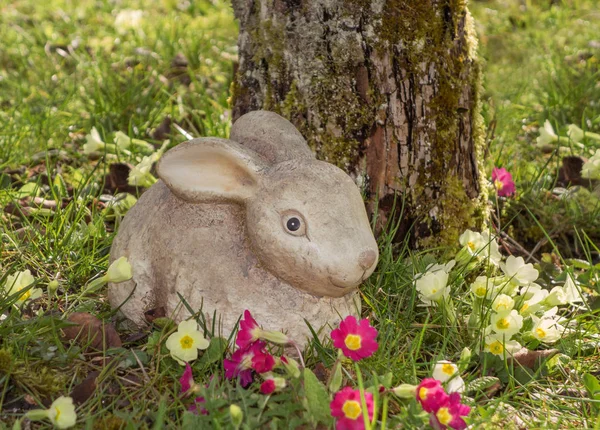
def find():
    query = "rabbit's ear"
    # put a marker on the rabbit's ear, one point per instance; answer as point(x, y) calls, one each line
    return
point(211, 169)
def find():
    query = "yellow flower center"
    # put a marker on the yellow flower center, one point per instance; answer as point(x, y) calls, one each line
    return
point(351, 409)
point(502, 324)
point(186, 342)
point(25, 295)
point(423, 393)
point(353, 342)
point(540, 332)
point(444, 416)
point(498, 184)
point(57, 413)
point(448, 369)
point(524, 307)
point(471, 246)
point(496, 348)
point(481, 291)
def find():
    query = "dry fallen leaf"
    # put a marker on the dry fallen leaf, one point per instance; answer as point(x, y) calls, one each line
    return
point(90, 332)
point(532, 359)
point(85, 388)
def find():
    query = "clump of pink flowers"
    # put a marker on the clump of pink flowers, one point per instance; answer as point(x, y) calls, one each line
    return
point(252, 356)
point(355, 339)
point(503, 182)
point(346, 407)
point(446, 410)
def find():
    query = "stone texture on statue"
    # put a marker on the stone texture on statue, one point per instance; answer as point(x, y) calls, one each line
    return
point(254, 222)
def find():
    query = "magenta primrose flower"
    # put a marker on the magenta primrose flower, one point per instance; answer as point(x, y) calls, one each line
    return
point(431, 395)
point(188, 386)
point(347, 409)
point(268, 386)
point(248, 332)
point(450, 414)
point(244, 360)
point(355, 339)
point(503, 182)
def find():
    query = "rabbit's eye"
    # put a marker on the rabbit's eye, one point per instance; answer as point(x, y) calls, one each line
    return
point(293, 224)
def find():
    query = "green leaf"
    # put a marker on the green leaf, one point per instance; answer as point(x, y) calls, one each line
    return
point(482, 383)
point(317, 399)
point(592, 385)
point(214, 352)
point(336, 378)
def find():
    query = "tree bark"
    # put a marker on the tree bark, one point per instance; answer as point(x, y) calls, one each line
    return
point(386, 89)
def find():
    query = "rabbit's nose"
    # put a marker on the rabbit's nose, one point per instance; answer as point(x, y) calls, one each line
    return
point(367, 258)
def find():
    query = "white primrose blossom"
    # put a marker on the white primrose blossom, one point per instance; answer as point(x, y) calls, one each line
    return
point(433, 286)
point(507, 323)
point(447, 373)
point(546, 329)
point(568, 293)
point(480, 245)
point(575, 133)
point(518, 272)
point(547, 135)
point(534, 296)
point(128, 19)
point(140, 175)
point(591, 168)
point(93, 143)
point(503, 303)
point(500, 345)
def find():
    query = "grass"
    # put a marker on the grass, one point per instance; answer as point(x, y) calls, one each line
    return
point(66, 68)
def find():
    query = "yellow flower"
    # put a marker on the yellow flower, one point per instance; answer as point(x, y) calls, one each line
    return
point(497, 345)
point(61, 413)
point(185, 342)
point(507, 322)
point(503, 303)
point(119, 271)
point(20, 281)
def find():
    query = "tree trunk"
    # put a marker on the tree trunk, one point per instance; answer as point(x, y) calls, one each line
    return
point(386, 89)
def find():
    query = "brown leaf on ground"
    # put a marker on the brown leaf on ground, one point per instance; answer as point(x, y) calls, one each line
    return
point(91, 332)
point(321, 372)
point(116, 179)
point(532, 359)
point(153, 314)
point(163, 130)
point(85, 389)
point(570, 172)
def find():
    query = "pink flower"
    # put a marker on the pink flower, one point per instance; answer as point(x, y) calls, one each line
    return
point(249, 331)
point(346, 407)
point(450, 414)
point(355, 339)
point(503, 182)
point(431, 394)
point(244, 360)
point(268, 386)
point(188, 386)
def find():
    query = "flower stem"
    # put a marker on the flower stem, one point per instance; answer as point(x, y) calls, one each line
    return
point(363, 400)
point(384, 411)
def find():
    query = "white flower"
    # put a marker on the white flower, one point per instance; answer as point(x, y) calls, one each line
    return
point(572, 291)
point(506, 323)
point(535, 296)
point(547, 135)
point(20, 281)
point(62, 412)
point(497, 344)
point(591, 168)
point(482, 287)
point(94, 142)
point(433, 286)
point(441, 267)
point(128, 19)
point(575, 133)
point(140, 175)
point(503, 303)
point(185, 342)
point(119, 271)
point(518, 272)
point(556, 297)
point(447, 372)
point(546, 329)
point(481, 245)
point(124, 142)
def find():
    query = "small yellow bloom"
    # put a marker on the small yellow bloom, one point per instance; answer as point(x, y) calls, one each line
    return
point(20, 281)
point(119, 271)
point(62, 413)
point(185, 342)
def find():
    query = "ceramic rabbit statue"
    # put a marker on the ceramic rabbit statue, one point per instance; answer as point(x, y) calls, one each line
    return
point(254, 222)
